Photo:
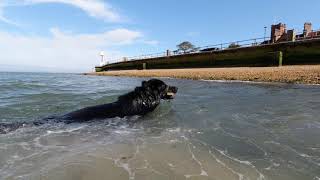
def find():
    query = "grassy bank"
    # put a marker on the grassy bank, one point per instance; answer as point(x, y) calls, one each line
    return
point(305, 74)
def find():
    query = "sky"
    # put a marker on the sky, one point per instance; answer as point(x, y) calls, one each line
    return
point(68, 35)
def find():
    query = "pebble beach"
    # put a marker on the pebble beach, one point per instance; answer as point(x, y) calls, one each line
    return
point(300, 74)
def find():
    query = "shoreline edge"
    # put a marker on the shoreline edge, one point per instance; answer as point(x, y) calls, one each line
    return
point(297, 74)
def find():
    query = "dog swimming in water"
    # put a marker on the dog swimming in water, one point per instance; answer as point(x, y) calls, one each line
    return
point(142, 100)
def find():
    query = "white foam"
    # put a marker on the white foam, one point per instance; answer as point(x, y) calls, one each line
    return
point(224, 165)
point(174, 130)
point(66, 130)
point(122, 132)
point(261, 176)
point(289, 148)
point(253, 82)
point(239, 81)
point(126, 167)
point(203, 172)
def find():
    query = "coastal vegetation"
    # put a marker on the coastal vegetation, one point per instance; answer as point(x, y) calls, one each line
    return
point(185, 47)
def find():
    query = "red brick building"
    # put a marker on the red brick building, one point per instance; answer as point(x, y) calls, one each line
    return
point(279, 33)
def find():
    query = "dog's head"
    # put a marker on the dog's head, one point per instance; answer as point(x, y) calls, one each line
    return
point(161, 88)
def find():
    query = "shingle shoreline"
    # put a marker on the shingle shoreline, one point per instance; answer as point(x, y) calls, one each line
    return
point(301, 74)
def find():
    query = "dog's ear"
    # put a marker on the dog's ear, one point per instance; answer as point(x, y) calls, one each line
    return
point(144, 84)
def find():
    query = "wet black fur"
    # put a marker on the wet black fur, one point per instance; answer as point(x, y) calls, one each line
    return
point(141, 101)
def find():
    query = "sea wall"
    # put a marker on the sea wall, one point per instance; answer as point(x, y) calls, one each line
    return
point(288, 53)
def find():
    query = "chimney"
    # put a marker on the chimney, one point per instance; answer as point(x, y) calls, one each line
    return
point(307, 29)
point(277, 31)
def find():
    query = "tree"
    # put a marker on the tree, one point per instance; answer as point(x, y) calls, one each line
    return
point(185, 46)
point(234, 45)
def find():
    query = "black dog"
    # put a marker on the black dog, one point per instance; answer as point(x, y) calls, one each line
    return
point(142, 100)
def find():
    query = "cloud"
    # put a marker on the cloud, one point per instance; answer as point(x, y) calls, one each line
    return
point(94, 8)
point(3, 18)
point(63, 50)
point(6, 20)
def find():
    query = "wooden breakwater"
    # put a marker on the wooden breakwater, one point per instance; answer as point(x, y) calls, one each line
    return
point(286, 53)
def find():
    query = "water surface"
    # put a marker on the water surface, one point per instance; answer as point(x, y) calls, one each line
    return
point(212, 130)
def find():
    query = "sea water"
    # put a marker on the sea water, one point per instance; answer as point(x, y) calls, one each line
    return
point(211, 130)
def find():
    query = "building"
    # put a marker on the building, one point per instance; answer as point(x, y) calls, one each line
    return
point(308, 32)
point(279, 33)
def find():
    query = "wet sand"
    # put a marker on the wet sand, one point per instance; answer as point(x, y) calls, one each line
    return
point(302, 74)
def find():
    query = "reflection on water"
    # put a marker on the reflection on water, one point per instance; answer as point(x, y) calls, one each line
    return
point(212, 130)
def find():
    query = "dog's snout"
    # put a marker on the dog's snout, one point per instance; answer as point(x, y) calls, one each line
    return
point(173, 89)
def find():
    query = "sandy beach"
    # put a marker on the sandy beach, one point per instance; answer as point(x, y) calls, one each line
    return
point(302, 74)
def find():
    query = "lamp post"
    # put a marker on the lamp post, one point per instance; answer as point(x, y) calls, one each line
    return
point(102, 58)
point(265, 33)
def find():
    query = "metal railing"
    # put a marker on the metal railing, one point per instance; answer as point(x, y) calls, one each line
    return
point(201, 49)
point(212, 48)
